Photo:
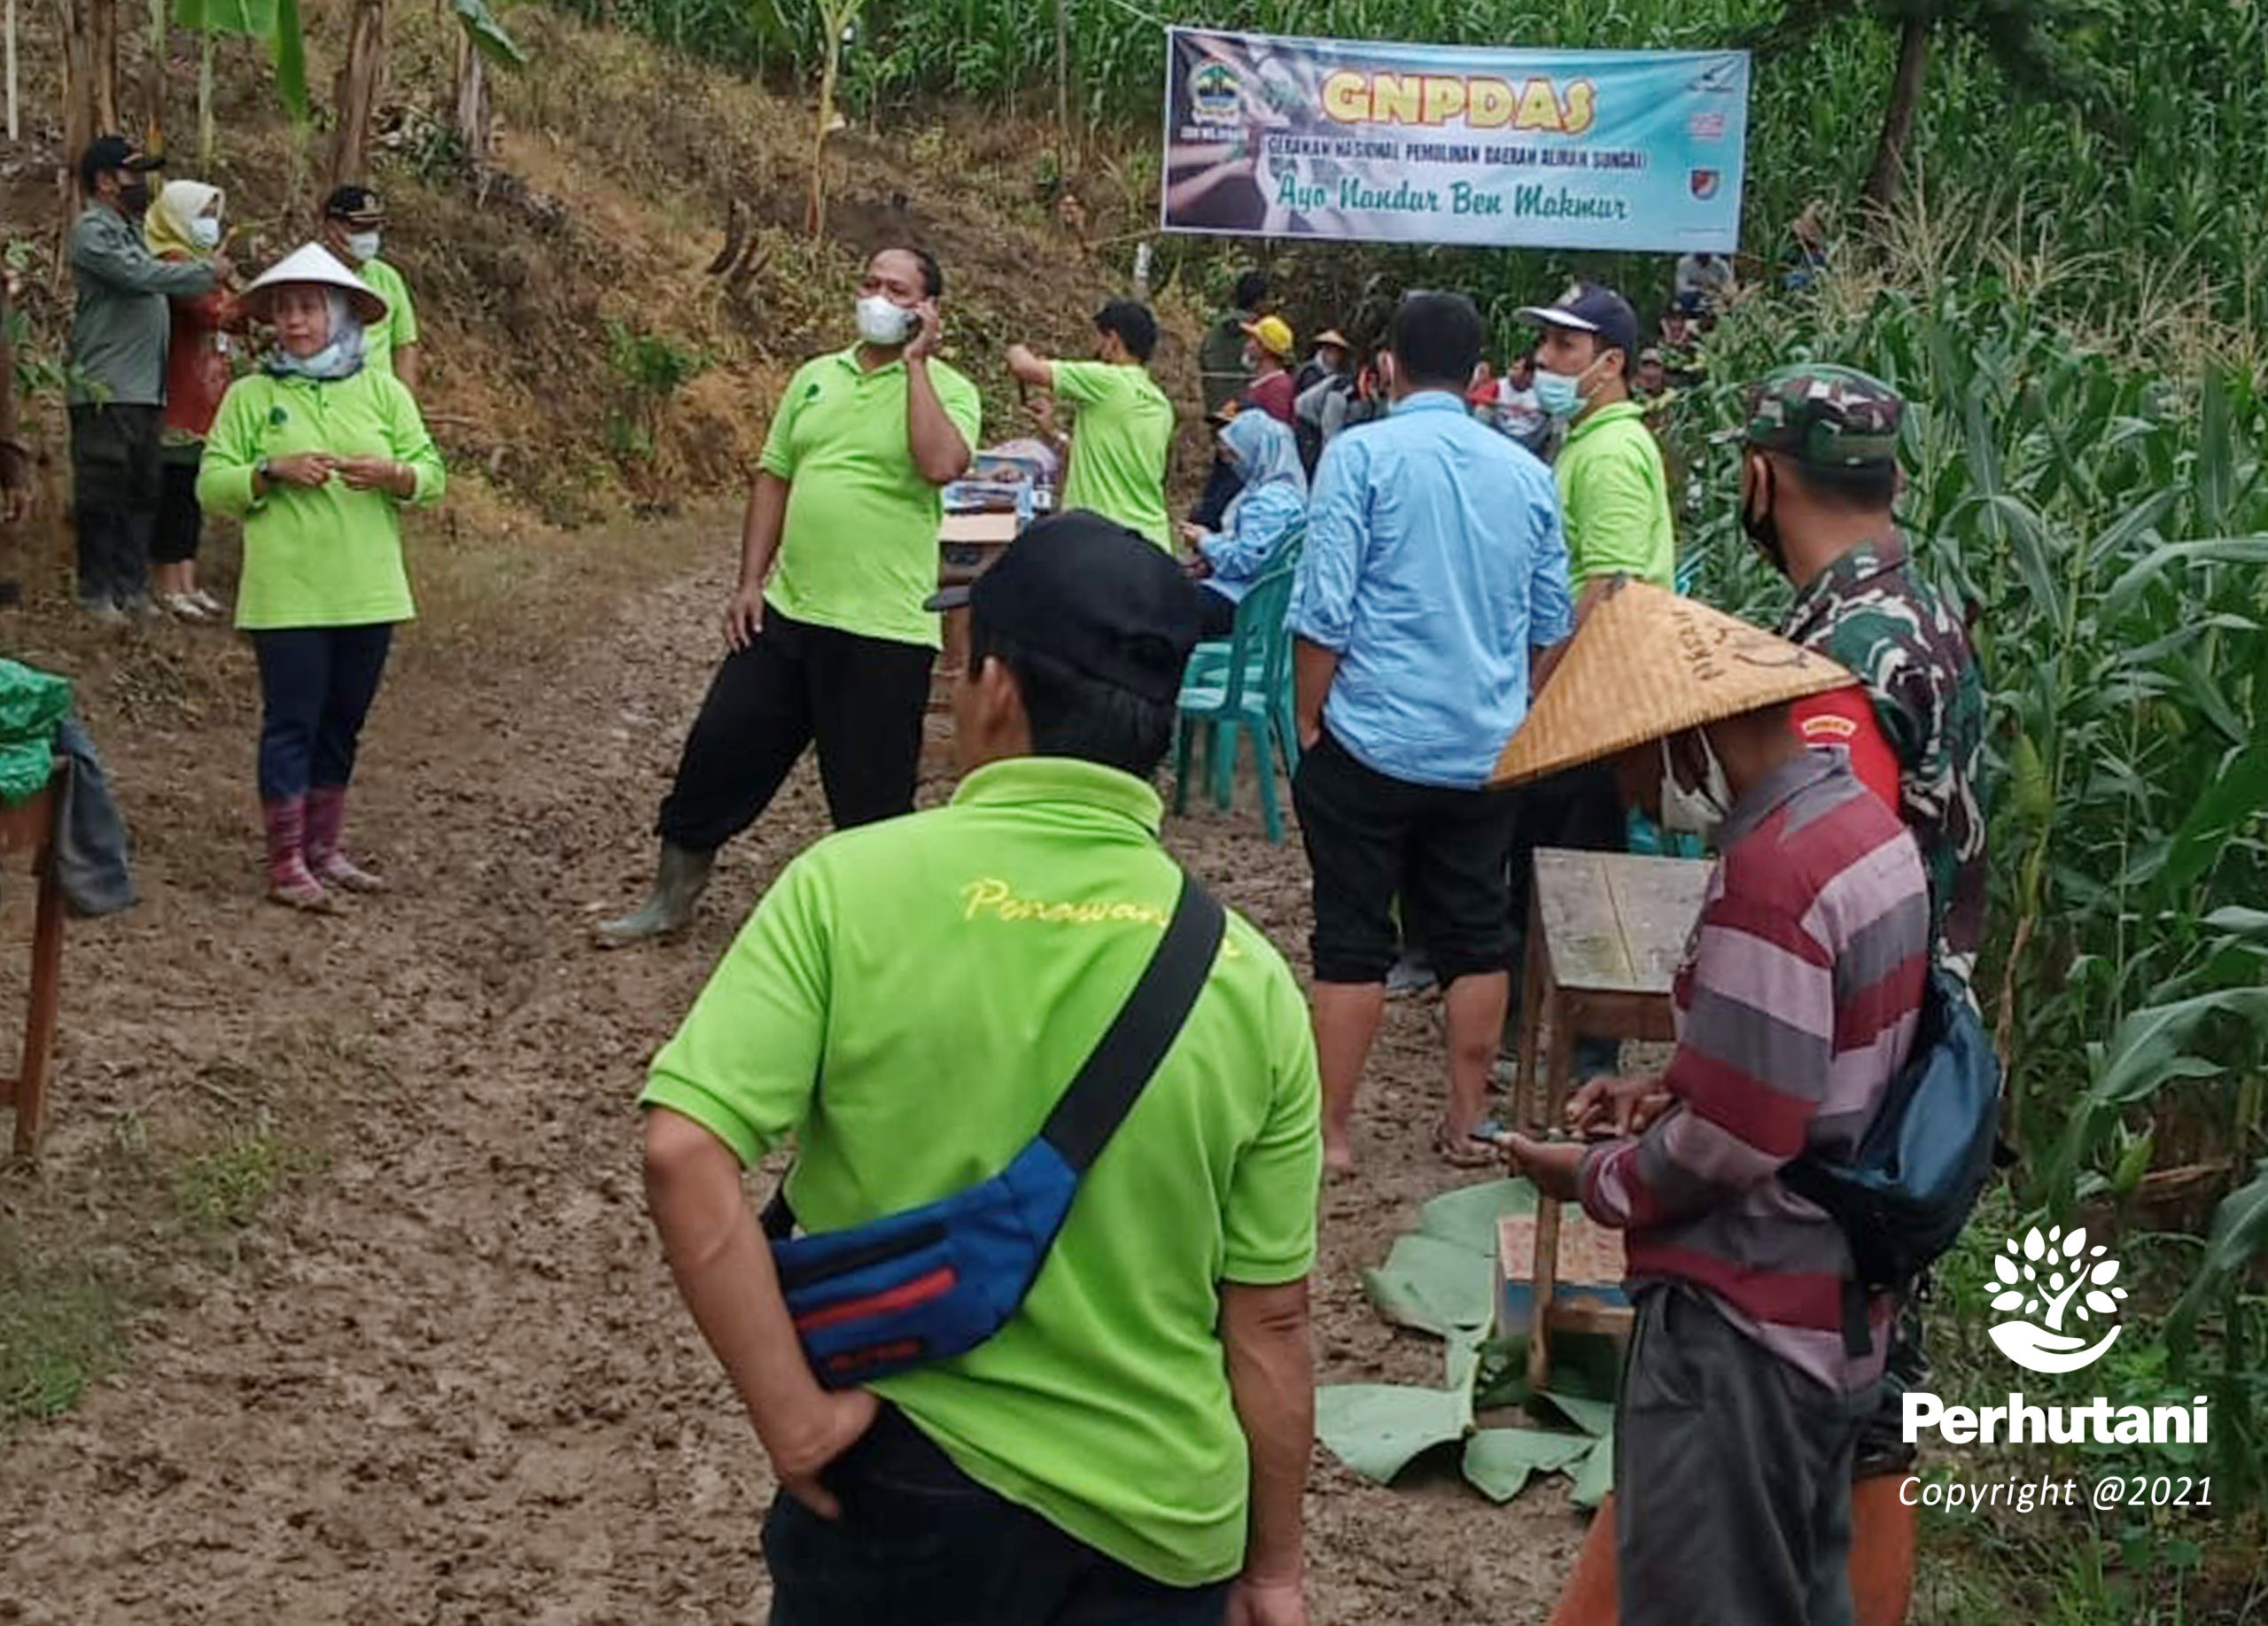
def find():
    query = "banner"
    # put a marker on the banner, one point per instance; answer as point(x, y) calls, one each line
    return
point(1432, 143)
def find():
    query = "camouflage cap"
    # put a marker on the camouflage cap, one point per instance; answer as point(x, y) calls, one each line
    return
point(1831, 418)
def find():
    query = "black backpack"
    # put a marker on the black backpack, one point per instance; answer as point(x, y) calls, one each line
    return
point(1915, 1175)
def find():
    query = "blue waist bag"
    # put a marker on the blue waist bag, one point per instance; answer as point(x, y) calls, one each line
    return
point(928, 1283)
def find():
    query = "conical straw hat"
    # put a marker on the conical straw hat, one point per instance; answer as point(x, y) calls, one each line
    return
point(1647, 664)
point(312, 263)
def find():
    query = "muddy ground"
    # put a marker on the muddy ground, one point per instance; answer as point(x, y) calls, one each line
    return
point(441, 1376)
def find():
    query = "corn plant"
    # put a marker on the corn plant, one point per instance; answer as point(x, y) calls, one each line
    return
point(2106, 529)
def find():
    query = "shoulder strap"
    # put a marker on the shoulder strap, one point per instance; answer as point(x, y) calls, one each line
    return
point(1144, 1030)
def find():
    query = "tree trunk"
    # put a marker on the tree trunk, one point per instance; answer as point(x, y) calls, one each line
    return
point(153, 81)
point(15, 117)
point(1069, 149)
point(1887, 178)
point(102, 25)
point(89, 100)
point(205, 140)
point(362, 77)
point(472, 98)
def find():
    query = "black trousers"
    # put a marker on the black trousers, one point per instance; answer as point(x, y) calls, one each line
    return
point(316, 684)
point(1732, 1476)
point(920, 1544)
point(1222, 484)
point(180, 522)
point(114, 494)
point(860, 700)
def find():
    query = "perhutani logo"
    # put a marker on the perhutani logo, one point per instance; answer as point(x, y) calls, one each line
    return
point(2050, 1277)
point(2044, 1278)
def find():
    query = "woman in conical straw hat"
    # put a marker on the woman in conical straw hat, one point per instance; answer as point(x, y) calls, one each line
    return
point(1753, 1362)
point(317, 454)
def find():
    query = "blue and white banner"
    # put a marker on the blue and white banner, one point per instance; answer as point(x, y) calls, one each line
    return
point(1433, 143)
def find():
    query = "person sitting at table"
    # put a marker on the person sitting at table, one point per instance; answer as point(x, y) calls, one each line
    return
point(1269, 509)
point(830, 643)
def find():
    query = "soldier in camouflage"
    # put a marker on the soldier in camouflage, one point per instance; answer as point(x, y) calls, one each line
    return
point(1816, 490)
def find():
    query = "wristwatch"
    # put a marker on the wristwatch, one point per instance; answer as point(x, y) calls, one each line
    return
point(261, 468)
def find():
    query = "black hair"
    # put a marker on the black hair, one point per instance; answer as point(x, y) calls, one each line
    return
point(1437, 339)
point(347, 200)
point(1867, 488)
point(1251, 288)
point(1136, 327)
point(932, 274)
point(1074, 715)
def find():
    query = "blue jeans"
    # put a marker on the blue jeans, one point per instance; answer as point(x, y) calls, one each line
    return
point(316, 684)
point(920, 1544)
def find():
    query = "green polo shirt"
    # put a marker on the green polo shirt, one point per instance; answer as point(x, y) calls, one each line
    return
point(945, 974)
point(1614, 497)
point(329, 556)
point(859, 551)
point(1118, 460)
point(381, 339)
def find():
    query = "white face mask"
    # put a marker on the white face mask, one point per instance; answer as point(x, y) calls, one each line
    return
point(205, 231)
point(882, 321)
point(362, 244)
point(1700, 812)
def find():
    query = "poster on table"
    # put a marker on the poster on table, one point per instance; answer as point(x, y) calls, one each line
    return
point(1486, 148)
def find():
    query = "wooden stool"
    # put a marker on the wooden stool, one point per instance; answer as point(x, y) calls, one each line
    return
point(1606, 934)
point(29, 828)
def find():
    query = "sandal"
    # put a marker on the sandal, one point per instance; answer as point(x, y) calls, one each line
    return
point(1459, 1152)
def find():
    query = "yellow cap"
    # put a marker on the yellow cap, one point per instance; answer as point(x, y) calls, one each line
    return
point(1274, 334)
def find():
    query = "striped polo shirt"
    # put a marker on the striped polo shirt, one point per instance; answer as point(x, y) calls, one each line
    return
point(1797, 1004)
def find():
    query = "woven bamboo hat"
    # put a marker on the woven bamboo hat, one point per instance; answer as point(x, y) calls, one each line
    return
point(1646, 664)
point(312, 263)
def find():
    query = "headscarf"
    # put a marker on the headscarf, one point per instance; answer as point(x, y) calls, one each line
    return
point(1266, 455)
point(341, 358)
point(165, 227)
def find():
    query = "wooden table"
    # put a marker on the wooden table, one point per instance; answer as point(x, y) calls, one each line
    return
point(27, 831)
point(967, 546)
point(1606, 934)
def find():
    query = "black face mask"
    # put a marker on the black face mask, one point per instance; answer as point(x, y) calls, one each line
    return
point(134, 198)
point(1764, 529)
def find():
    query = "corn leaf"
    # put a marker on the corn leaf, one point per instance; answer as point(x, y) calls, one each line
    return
point(487, 34)
point(287, 48)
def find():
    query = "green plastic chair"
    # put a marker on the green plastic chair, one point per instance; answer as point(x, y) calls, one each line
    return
point(1246, 692)
point(1208, 662)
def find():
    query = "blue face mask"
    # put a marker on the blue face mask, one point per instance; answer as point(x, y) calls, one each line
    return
point(1556, 393)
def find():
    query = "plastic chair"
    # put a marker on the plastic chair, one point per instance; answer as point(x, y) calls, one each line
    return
point(1208, 662)
point(1246, 691)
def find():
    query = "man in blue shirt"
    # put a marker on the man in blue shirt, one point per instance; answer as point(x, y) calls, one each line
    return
point(1435, 568)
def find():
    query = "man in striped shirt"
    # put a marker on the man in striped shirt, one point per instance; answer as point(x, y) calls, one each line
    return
point(1798, 1003)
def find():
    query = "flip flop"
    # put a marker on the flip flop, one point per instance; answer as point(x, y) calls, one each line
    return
point(1463, 1154)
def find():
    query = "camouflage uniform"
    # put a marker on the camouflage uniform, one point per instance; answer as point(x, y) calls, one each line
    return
point(1870, 611)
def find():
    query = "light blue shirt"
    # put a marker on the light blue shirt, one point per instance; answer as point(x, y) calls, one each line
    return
point(1434, 561)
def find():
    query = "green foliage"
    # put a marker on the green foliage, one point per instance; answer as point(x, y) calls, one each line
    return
point(487, 34)
point(2108, 529)
point(225, 1187)
point(649, 370)
point(2152, 168)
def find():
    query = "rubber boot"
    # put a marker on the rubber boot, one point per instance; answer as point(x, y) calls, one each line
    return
point(326, 858)
point(290, 882)
point(677, 884)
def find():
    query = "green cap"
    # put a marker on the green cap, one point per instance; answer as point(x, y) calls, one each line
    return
point(1830, 417)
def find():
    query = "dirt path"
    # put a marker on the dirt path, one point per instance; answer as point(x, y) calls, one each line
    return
point(445, 1378)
